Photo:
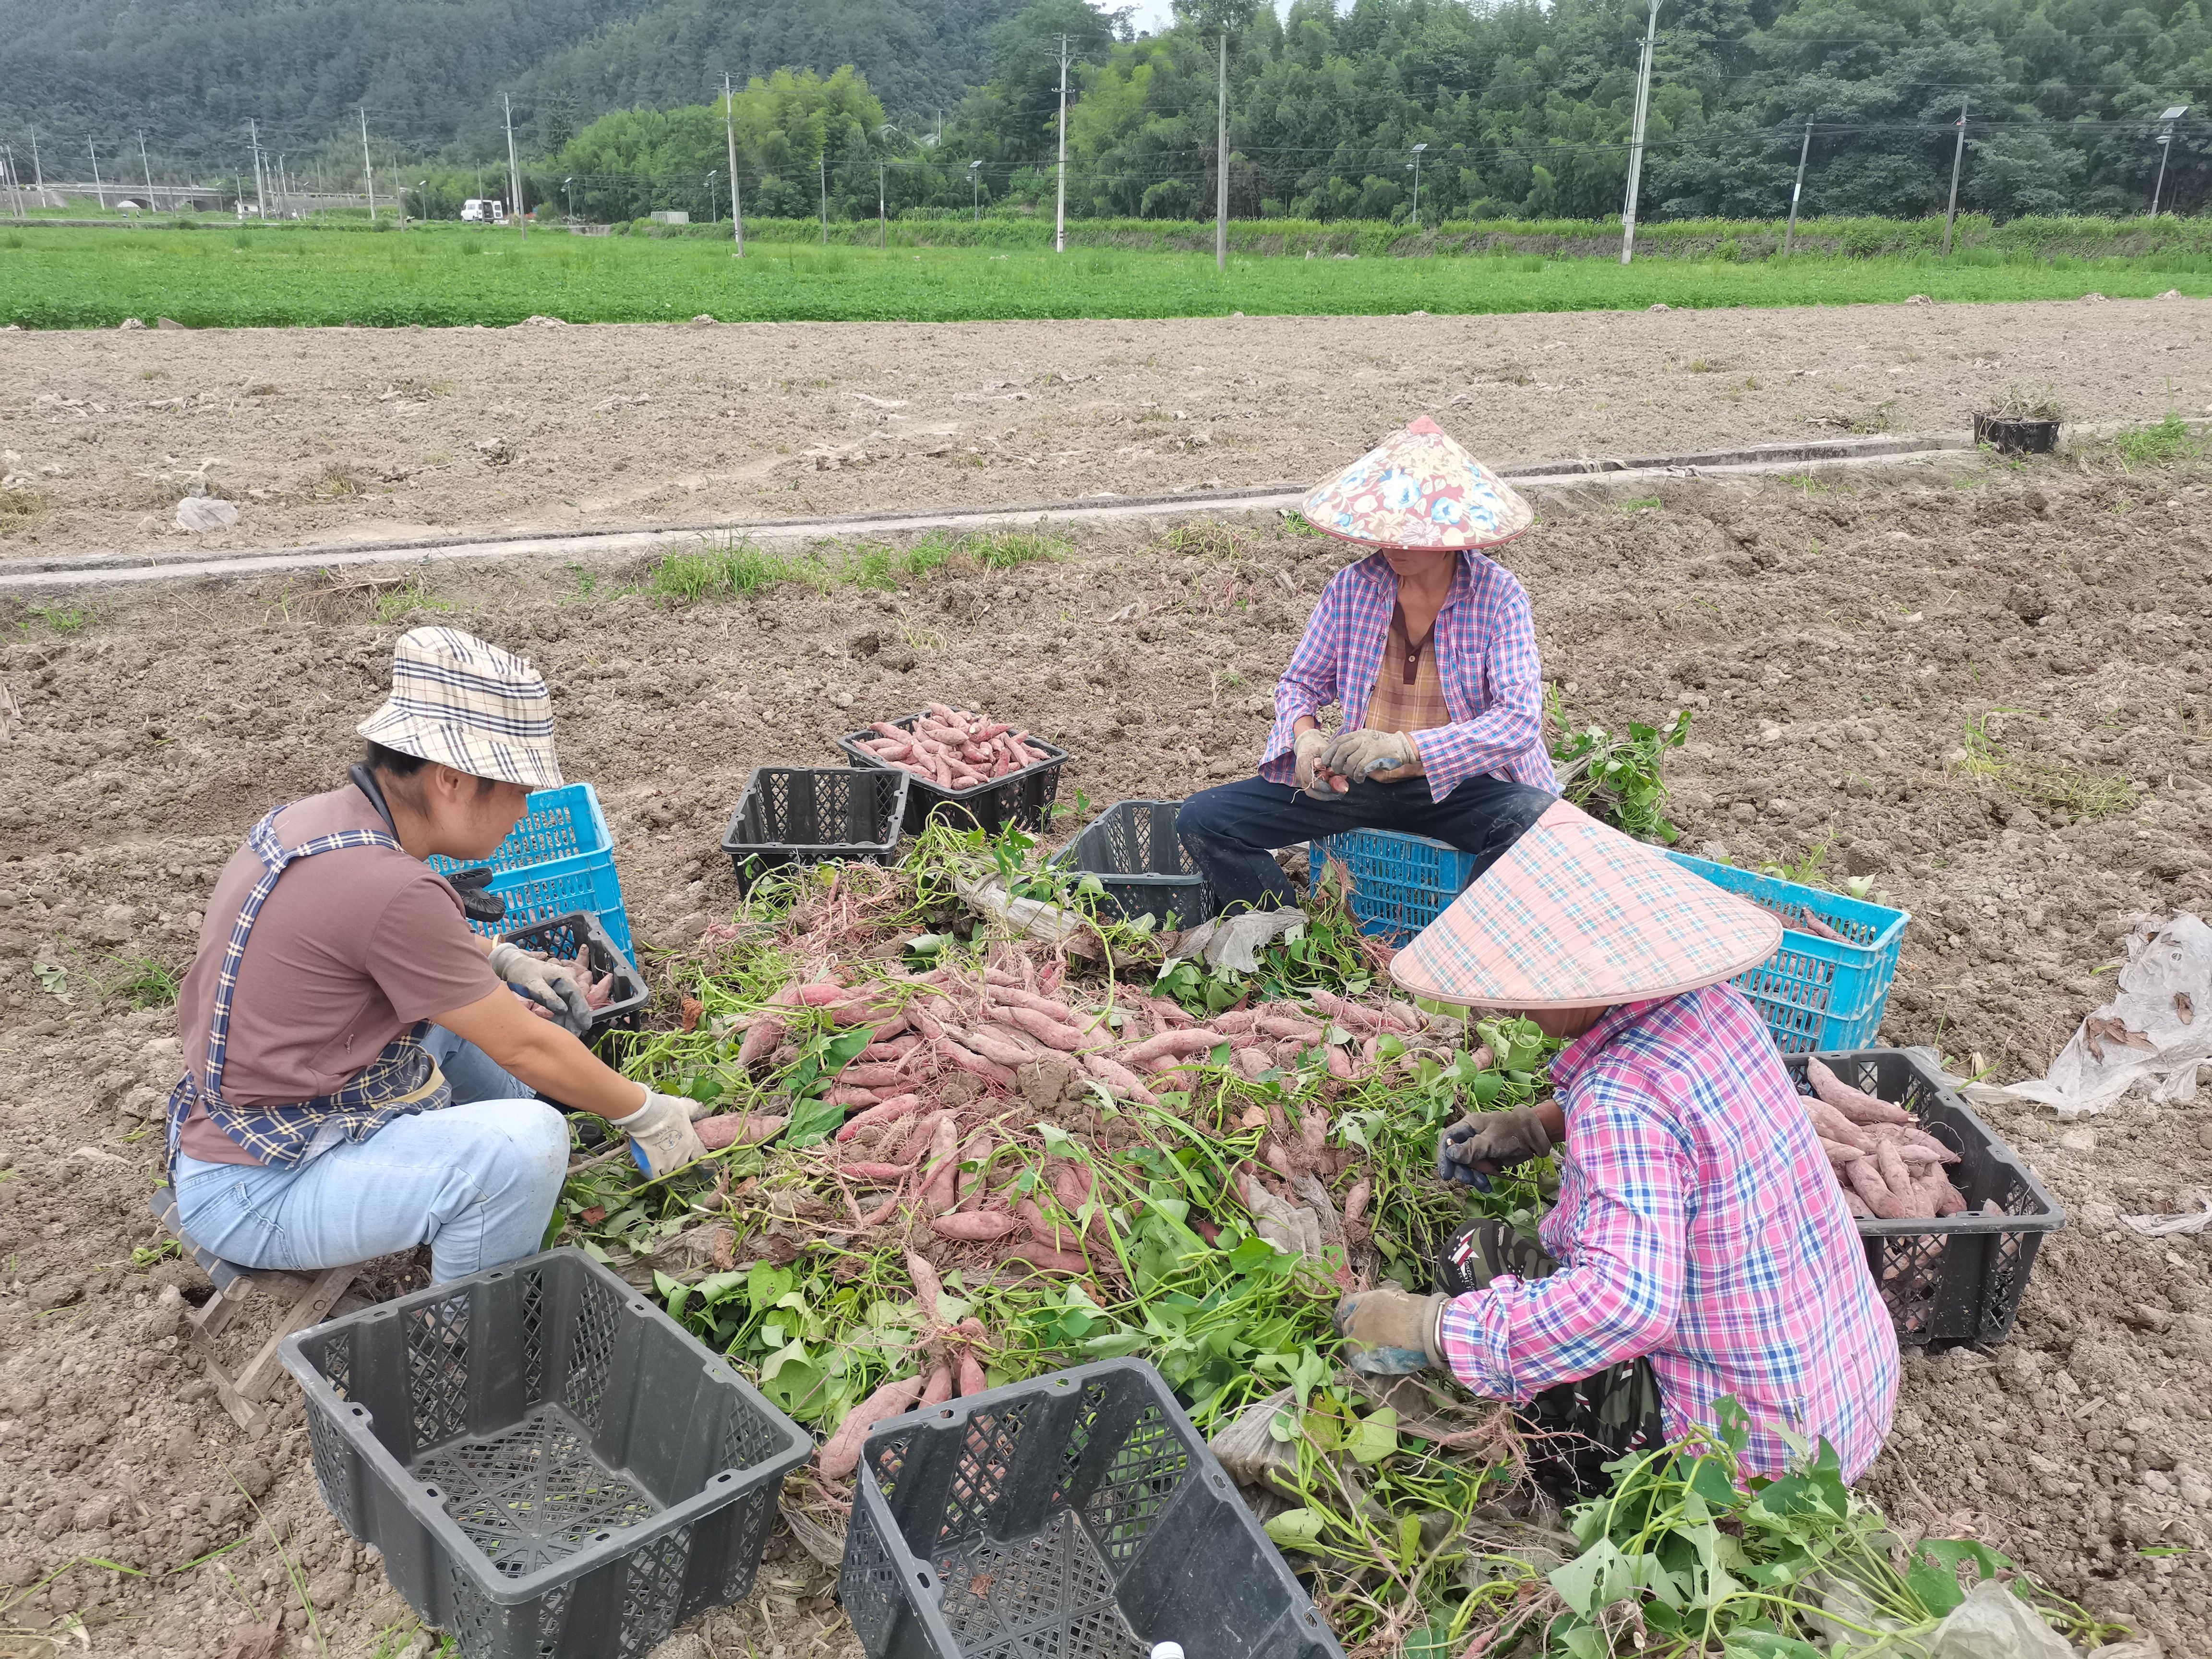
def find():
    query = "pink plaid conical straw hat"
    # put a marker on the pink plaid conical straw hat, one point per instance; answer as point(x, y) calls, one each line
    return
point(1420, 491)
point(1578, 916)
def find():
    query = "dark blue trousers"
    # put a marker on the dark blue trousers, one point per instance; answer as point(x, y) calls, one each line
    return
point(1232, 830)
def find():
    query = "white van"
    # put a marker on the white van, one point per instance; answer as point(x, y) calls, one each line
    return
point(483, 210)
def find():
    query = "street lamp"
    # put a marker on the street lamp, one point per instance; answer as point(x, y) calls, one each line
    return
point(975, 188)
point(1416, 164)
point(2165, 143)
point(568, 185)
point(710, 197)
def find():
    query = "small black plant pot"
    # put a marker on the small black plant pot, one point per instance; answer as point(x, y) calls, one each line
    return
point(2015, 435)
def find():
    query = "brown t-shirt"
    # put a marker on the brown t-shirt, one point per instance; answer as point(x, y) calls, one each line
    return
point(351, 949)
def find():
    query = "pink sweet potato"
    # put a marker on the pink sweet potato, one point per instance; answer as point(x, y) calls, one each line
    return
point(884, 1111)
point(841, 1454)
point(1355, 1201)
point(870, 1077)
point(1898, 1181)
point(982, 1227)
point(1854, 1104)
point(967, 1060)
point(878, 1173)
point(943, 1169)
point(1196, 1040)
point(1254, 1063)
point(939, 1387)
point(1046, 1259)
point(927, 1286)
point(1118, 1079)
point(844, 1095)
point(971, 1373)
point(737, 1129)
point(1832, 1125)
point(1044, 1028)
point(1863, 1174)
point(1304, 1029)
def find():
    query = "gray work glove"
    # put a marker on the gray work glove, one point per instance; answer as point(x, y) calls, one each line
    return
point(549, 984)
point(1363, 754)
point(1390, 1331)
point(1483, 1142)
point(661, 1138)
point(1305, 749)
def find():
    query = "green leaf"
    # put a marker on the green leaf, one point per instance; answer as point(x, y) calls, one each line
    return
point(1297, 1529)
point(840, 1050)
point(1409, 1547)
point(1376, 1439)
point(812, 1121)
point(1597, 1577)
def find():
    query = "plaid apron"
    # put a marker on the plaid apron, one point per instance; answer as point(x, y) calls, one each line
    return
point(402, 1079)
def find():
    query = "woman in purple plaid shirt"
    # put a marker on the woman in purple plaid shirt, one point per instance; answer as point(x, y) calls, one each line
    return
point(1429, 649)
point(1699, 1249)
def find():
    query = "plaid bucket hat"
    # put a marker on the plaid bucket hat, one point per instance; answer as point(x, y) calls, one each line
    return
point(1419, 491)
point(468, 705)
point(1578, 916)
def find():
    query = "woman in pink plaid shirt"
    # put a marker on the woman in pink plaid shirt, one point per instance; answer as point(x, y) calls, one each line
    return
point(1699, 1247)
point(1428, 648)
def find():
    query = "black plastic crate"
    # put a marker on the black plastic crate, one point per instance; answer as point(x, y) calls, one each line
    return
point(563, 936)
point(1078, 1516)
point(552, 1468)
point(814, 814)
point(1147, 871)
point(1959, 1278)
point(1024, 798)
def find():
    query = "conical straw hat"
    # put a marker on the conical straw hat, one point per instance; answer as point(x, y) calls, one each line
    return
point(1419, 491)
point(1578, 916)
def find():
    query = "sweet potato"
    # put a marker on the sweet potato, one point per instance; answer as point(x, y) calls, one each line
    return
point(980, 1226)
point(1304, 1029)
point(1898, 1180)
point(1833, 1125)
point(969, 1060)
point(1048, 1232)
point(1854, 1104)
point(1237, 1024)
point(1838, 1154)
point(1313, 1129)
point(876, 1173)
point(1254, 1063)
point(1858, 1205)
point(976, 1150)
point(1196, 1040)
point(1864, 1176)
point(1809, 921)
point(820, 993)
point(1043, 1256)
point(841, 1454)
point(884, 1111)
point(859, 1076)
point(938, 1390)
point(971, 1373)
point(1355, 1201)
point(943, 1169)
point(843, 1095)
point(765, 1034)
point(1045, 1029)
point(927, 1286)
point(736, 1129)
point(1118, 1079)
point(1339, 1064)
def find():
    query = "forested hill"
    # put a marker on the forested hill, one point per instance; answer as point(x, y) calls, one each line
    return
point(190, 73)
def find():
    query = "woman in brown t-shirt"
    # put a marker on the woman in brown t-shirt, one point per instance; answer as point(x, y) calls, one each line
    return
point(362, 1070)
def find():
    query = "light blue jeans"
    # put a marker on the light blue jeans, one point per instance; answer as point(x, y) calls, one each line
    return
point(476, 1182)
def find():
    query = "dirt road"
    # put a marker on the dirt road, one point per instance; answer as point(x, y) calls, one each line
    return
point(1837, 642)
point(331, 434)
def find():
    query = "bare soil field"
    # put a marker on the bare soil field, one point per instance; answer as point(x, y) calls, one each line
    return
point(330, 435)
point(1839, 642)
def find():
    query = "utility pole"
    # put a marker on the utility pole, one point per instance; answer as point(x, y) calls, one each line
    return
point(1797, 189)
point(1958, 155)
point(2165, 142)
point(15, 181)
point(284, 190)
point(730, 132)
point(1060, 206)
point(260, 188)
point(883, 212)
point(367, 172)
point(38, 172)
point(1221, 161)
point(1418, 149)
point(975, 188)
point(822, 161)
point(711, 214)
point(1636, 139)
point(514, 166)
point(99, 194)
point(148, 168)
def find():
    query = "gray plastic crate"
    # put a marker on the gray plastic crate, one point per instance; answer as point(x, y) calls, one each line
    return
point(552, 1468)
point(1076, 1516)
point(1147, 871)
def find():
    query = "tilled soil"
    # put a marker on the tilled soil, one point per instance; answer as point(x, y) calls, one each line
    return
point(1983, 688)
point(330, 436)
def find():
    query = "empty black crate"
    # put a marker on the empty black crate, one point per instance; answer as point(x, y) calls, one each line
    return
point(1134, 850)
point(1078, 1516)
point(552, 1468)
point(1024, 798)
point(813, 814)
point(579, 930)
point(1959, 1278)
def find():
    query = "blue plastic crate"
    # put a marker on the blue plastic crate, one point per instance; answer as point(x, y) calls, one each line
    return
point(1400, 883)
point(560, 858)
point(1817, 993)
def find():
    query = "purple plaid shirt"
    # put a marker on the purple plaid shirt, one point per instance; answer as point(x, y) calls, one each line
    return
point(1697, 1222)
point(1486, 655)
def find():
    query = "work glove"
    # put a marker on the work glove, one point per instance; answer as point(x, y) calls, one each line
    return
point(1483, 1142)
point(1390, 1331)
point(1363, 754)
point(551, 985)
point(1306, 749)
point(661, 1138)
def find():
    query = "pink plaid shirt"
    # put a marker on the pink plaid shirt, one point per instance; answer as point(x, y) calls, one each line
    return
point(1485, 654)
point(1698, 1223)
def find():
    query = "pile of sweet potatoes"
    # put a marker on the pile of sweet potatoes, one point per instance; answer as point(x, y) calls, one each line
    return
point(955, 749)
point(1890, 1167)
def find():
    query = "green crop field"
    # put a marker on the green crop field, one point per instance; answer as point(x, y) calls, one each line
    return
point(446, 275)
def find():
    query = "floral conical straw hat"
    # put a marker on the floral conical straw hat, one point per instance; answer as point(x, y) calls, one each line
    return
point(1419, 491)
point(1578, 916)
